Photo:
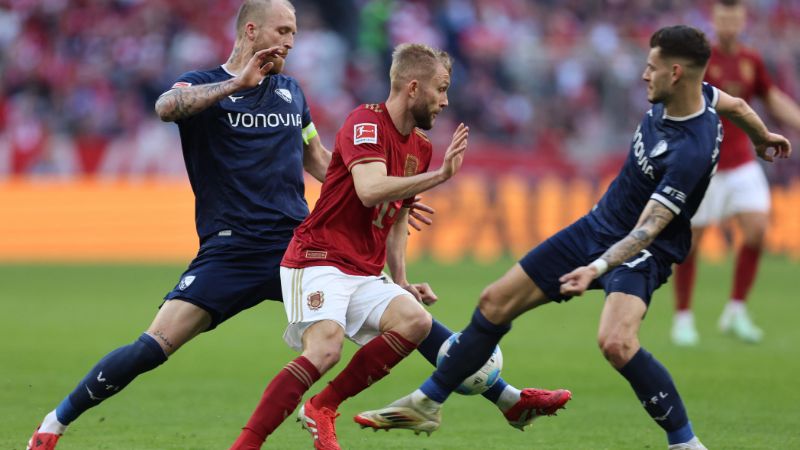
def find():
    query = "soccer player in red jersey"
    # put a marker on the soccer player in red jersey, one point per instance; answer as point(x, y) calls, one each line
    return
point(331, 273)
point(739, 190)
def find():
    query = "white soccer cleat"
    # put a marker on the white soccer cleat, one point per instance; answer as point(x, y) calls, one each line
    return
point(684, 333)
point(693, 444)
point(739, 324)
point(412, 412)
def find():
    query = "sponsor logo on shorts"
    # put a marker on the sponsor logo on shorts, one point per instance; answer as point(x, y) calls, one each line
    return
point(316, 254)
point(365, 133)
point(186, 282)
point(315, 300)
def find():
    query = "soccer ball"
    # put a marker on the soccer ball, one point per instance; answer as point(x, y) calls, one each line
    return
point(480, 381)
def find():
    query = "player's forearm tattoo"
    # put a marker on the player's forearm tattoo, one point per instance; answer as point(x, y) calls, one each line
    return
point(640, 237)
point(181, 103)
point(163, 339)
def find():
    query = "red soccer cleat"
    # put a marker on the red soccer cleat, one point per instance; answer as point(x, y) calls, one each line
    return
point(42, 441)
point(534, 403)
point(320, 423)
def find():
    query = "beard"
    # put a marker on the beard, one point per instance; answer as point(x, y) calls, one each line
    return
point(422, 116)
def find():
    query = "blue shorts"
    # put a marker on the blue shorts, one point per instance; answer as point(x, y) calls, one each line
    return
point(228, 276)
point(579, 245)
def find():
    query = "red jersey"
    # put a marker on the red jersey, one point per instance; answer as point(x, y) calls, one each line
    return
point(741, 74)
point(341, 231)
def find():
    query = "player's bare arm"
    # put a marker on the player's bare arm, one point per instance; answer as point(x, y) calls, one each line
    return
point(652, 221)
point(374, 186)
point(783, 107)
point(183, 102)
point(396, 260)
point(743, 116)
point(316, 158)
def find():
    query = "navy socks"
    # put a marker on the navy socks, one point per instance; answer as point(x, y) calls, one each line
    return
point(429, 348)
point(465, 357)
point(654, 388)
point(110, 375)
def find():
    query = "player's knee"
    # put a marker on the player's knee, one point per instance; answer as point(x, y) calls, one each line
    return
point(618, 351)
point(322, 345)
point(415, 324)
point(496, 305)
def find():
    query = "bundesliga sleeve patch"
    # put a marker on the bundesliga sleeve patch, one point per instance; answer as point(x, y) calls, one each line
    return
point(181, 84)
point(365, 133)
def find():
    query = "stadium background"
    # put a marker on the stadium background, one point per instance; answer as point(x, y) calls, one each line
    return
point(552, 93)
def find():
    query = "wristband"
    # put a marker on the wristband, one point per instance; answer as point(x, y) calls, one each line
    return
point(600, 265)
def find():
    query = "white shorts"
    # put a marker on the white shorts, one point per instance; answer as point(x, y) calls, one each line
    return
point(326, 293)
point(743, 189)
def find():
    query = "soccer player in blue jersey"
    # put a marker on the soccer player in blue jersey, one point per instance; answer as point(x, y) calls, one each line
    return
point(625, 245)
point(247, 136)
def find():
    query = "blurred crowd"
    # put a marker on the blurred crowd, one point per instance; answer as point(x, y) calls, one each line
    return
point(545, 85)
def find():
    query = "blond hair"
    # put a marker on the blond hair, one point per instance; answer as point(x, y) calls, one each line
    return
point(416, 62)
point(255, 11)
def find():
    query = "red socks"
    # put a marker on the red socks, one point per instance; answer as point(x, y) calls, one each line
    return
point(685, 274)
point(745, 273)
point(280, 399)
point(368, 365)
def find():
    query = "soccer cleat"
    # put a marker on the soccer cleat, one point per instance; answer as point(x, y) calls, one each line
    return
point(684, 333)
point(320, 423)
point(42, 441)
point(534, 403)
point(693, 444)
point(739, 324)
point(419, 416)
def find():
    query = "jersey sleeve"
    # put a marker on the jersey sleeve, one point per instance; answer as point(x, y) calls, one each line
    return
point(682, 175)
point(763, 82)
point(362, 139)
point(711, 94)
point(189, 79)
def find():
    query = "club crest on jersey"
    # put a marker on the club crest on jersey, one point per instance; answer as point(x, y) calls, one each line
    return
point(284, 94)
point(659, 149)
point(181, 84)
point(365, 133)
point(186, 282)
point(315, 300)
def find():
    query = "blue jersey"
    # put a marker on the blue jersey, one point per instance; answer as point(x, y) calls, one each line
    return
point(244, 157)
point(671, 161)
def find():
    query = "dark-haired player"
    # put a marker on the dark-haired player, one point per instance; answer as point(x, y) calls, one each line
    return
point(625, 245)
point(739, 190)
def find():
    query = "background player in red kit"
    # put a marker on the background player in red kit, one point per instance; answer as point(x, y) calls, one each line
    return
point(739, 190)
point(331, 273)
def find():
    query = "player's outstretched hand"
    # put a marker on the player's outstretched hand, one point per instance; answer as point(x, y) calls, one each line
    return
point(416, 218)
point(454, 156)
point(577, 281)
point(780, 146)
point(258, 67)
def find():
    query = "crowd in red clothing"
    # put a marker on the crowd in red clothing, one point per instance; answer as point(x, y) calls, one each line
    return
point(555, 84)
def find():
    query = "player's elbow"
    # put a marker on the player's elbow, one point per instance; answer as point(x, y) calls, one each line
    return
point(739, 107)
point(164, 110)
point(368, 196)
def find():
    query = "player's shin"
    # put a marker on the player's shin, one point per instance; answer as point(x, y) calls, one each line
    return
point(110, 375)
point(429, 349)
point(368, 365)
point(469, 353)
point(280, 398)
point(654, 387)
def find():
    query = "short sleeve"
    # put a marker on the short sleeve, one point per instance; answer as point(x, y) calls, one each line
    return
point(309, 130)
point(189, 79)
point(711, 94)
point(763, 82)
point(682, 175)
point(361, 139)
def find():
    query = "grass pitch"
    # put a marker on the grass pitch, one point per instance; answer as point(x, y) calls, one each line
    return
point(57, 321)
